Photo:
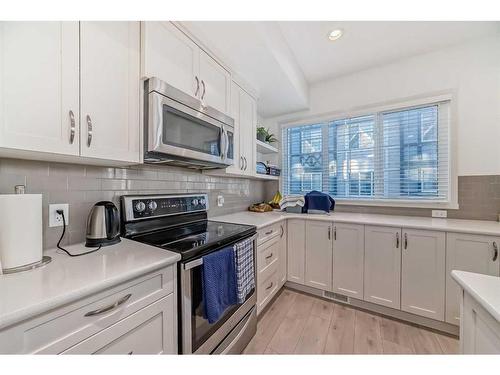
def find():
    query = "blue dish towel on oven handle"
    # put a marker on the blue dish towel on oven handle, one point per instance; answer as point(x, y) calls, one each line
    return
point(219, 286)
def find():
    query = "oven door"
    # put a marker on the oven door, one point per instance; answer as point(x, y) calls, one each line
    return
point(178, 130)
point(197, 334)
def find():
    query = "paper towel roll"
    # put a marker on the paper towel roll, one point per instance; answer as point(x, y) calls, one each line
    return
point(20, 230)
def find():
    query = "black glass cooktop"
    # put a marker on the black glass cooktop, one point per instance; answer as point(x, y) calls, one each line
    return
point(196, 238)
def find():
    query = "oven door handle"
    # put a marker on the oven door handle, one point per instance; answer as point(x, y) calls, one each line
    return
point(199, 261)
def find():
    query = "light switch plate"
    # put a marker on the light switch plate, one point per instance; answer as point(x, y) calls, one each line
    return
point(55, 220)
point(440, 213)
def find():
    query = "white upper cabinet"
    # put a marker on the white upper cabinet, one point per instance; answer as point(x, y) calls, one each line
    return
point(39, 87)
point(296, 250)
point(110, 63)
point(215, 84)
point(318, 254)
point(467, 252)
point(382, 276)
point(423, 273)
point(348, 255)
point(171, 56)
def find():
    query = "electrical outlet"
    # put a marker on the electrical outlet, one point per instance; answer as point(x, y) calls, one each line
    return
point(440, 213)
point(220, 200)
point(55, 220)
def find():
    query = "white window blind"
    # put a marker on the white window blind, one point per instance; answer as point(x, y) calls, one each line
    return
point(400, 154)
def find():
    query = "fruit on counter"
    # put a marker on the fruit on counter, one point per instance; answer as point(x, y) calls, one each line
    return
point(260, 207)
point(276, 199)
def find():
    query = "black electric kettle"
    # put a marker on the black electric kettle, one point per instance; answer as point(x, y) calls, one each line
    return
point(103, 225)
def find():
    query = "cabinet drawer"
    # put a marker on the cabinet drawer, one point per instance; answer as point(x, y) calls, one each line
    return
point(271, 231)
point(147, 331)
point(97, 313)
point(267, 253)
point(266, 289)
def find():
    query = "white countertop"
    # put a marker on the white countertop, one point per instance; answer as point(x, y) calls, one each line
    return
point(66, 279)
point(484, 289)
point(415, 222)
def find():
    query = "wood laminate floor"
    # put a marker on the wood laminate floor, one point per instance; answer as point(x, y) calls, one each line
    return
point(297, 323)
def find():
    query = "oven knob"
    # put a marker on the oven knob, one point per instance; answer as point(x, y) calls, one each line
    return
point(140, 206)
point(202, 201)
point(195, 202)
point(152, 205)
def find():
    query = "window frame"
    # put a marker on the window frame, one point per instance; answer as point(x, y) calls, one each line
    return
point(378, 110)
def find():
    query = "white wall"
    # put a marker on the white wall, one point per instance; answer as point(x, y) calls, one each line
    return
point(470, 71)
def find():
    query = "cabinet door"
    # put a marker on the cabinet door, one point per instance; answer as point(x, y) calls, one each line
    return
point(282, 254)
point(382, 276)
point(296, 250)
point(248, 118)
point(318, 270)
point(467, 252)
point(423, 273)
point(237, 167)
point(171, 56)
point(39, 86)
point(215, 84)
point(348, 255)
point(148, 331)
point(110, 90)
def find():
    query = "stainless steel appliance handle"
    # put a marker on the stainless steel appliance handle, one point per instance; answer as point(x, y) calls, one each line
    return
point(227, 142)
point(197, 86)
point(495, 251)
point(397, 240)
point(204, 89)
point(89, 131)
point(222, 142)
point(72, 127)
point(113, 306)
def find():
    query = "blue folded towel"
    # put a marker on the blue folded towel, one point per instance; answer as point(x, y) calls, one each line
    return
point(219, 285)
point(316, 200)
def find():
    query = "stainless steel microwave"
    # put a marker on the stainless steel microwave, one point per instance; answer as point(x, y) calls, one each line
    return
point(181, 130)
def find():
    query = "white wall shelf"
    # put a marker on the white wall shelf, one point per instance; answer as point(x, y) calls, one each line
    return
point(265, 148)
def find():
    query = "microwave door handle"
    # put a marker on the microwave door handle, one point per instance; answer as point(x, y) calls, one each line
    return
point(227, 143)
point(222, 143)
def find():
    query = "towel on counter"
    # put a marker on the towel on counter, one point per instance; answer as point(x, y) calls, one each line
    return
point(317, 201)
point(245, 275)
point(219, 286)
point(292, 201)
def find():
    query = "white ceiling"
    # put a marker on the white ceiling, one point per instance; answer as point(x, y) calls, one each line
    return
point(281, 59)
point(367, 44)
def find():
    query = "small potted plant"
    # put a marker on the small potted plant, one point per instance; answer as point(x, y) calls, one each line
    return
point(264, 135)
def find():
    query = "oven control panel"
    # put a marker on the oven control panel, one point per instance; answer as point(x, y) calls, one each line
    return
point(139, 207)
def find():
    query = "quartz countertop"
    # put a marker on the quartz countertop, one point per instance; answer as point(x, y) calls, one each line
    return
point(411, 222)
point(66, 279)
point(484, 289)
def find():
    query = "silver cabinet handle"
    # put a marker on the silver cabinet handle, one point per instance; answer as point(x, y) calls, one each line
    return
point(113, 306)
point(89, 131)
point(495, 251)
point(406, 241)
point(329, 232)
point(269, 232)
point(269, 256)
point(197, 86)
point(282, 231)
point(270, 285)
point(335, 233)
point(397, 240)
point(204, 89)
point(246, 163)
point(72, 127)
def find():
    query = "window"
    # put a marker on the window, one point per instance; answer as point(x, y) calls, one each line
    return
point(400, 154)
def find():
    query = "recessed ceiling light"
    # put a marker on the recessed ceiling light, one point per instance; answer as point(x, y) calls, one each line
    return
point(335, 34)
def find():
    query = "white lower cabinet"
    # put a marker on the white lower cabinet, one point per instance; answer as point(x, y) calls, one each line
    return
point(479, 331)
point(296, 243)
point(144, 332)
point(467, 252)
point(423, 273)
point(382, 274)
point(348, 255)
point(318, 254)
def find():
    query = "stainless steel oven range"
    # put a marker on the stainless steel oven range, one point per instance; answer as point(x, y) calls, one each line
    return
point(179, 223)
point(182, 130)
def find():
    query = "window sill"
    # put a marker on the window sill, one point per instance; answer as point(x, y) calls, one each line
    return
point(397, 203)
